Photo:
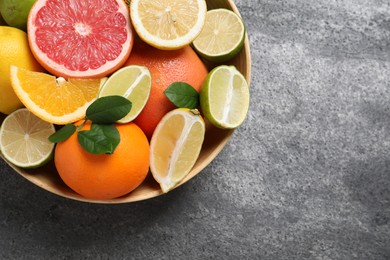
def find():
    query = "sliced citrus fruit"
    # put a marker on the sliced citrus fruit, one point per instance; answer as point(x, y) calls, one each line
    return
point(222, 36)
point(132, 82)
point(224, 97)
point(80, 38)
point(24, 139)
point(175, 146)
point(168, 24)
point(54, 100)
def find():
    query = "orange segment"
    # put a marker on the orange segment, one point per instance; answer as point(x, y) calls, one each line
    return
point(52, 99)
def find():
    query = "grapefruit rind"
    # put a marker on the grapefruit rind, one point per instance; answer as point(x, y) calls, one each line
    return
point(56, 30)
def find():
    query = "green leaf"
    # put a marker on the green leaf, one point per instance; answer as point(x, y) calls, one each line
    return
point(62, 134)
point(182, 95)
point(100, 139)
point(109, 109)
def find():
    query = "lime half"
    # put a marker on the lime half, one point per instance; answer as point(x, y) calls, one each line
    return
point(224, 97)
point(222, 36)
point(24, 139)
point(132, 82)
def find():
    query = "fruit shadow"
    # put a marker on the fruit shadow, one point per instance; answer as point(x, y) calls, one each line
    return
point(47, 177)
point(58, 222)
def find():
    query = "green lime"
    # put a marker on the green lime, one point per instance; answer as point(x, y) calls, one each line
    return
point(15, 12)
point(224, 97)
point(132, 82)
point(2, 22)
point(24, 139)
point(222, 36)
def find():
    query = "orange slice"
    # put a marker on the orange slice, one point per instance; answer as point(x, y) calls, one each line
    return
point(52, 99)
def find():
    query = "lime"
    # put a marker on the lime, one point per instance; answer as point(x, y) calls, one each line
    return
point(15, 12)
point(132, 82)
point(222, 36)
point(224, 97)
point(175, 146)
point(2, 22)
point(24, 139)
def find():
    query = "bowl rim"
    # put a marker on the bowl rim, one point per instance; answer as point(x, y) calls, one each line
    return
point(133, 196)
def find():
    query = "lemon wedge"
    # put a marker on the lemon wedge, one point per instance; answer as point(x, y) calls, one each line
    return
point(175, 146)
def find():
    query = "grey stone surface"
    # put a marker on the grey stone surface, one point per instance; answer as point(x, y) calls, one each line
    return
point(307, 176)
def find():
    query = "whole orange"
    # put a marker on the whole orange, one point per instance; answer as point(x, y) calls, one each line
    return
point(165, 67)
point(104, 176)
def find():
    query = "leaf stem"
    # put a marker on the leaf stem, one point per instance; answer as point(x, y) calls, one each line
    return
point(81, 125)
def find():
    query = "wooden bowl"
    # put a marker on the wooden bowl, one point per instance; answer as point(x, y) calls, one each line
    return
point(47, 177)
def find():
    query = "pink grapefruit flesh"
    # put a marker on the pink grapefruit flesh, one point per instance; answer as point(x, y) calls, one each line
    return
point(80, 38)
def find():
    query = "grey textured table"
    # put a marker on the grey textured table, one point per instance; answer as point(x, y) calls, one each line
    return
point(306, 177)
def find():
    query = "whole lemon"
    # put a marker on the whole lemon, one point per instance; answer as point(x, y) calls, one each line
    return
point(14, 50)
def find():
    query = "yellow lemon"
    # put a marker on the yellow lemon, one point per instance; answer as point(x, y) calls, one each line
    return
point(14, 50)
point(168, 24)
point(175, 146)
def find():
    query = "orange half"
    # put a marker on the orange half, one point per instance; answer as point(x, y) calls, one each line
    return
point(52, 99)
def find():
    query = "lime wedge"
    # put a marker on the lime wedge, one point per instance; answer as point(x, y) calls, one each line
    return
point(175, 146)
point(132, 82)
point(224, 97)
point(24, 139)
point(222, 36)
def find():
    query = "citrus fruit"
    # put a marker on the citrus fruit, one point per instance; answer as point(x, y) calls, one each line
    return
point(14, 50)
point(168, 24)
point(175, 146)
point(80, 38)
point(2, 22)
point(224, 97)
point(15, 12)
point(132, 82)
point(24, 139)
point(222, 36)
point(166, 67)
point(54, 100)
point(104, 176)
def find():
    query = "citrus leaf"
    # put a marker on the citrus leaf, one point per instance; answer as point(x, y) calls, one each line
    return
point(182, 95)
point(100, 139)
point(108, 109)
point(62, 134)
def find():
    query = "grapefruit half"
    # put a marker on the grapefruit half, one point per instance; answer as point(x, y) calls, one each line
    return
point(80, 38)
